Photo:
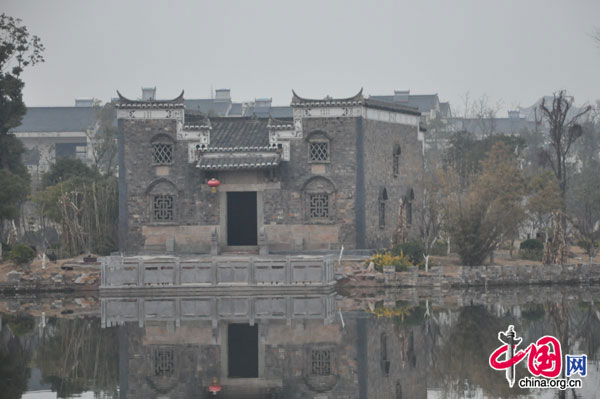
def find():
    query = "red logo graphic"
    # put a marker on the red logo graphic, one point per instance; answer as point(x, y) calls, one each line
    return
point(544, 356)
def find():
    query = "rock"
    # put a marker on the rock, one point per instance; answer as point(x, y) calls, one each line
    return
point(14, 276)
point(81, 279)
point(57, 278)
point(371, 267)
point(56, 304)
point(81, 302)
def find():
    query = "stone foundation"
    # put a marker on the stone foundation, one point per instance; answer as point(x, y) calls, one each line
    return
point(355, 275)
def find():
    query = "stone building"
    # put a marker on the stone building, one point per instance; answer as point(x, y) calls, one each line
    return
point(49, 133)
point(338, 172)
point(367, 357)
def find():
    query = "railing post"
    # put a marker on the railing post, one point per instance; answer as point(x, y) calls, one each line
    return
point(288, 270)
point(140, 272)
point(177, 271)
point(103, 274)
point(251, 275)
point(141, 312)
point(213, 271)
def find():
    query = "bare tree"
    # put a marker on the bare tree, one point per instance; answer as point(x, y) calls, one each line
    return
point(564, 131)
point(430, 227)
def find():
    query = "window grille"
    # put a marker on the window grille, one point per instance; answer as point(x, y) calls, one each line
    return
point(163, 208)
point(398, 390)
point(319, 206)
point(320, 362)
point(319, 151)
point(163, 363)
point(385, 363)
point(381, 214)
point(163, 154)
point(396, 163)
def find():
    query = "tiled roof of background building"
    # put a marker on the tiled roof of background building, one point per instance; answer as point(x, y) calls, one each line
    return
point(57, 119)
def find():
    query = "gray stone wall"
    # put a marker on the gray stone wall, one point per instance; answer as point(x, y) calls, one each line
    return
point(194, 204)
point(380, 141)
point(288, 206)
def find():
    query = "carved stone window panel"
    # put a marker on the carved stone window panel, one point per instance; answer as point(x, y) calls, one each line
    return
point(163, 208)
point(319, 200)
point(320, 362)
point(320, 369)
point(319, 206)
point(163, 361)
point(162, 199)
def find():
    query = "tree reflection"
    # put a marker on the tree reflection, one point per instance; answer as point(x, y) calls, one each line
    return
point(80, 356)
point(14, 373)
point(462, 362)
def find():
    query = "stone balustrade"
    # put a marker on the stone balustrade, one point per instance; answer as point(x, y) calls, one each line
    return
point(241, 309)
point(222, 272)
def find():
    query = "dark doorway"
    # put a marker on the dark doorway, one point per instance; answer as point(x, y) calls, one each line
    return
point(242, 344)
point(241, 218)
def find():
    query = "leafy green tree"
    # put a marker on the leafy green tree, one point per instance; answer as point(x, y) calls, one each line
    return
point(18, 50)
point(14, 191)
point(21, 254)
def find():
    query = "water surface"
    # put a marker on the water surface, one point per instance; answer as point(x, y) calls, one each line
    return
point(361, 344)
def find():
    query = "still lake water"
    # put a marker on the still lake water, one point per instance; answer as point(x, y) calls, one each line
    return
point(364, 344)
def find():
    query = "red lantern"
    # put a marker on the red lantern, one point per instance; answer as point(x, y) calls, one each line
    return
point(213, 184)
point(214, 389)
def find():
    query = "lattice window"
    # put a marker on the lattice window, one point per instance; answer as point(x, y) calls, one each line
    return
point(319, 151)
point(319, 206)
point(164, 364)
point(163, 154)
point(162, 208)
point(320, 363)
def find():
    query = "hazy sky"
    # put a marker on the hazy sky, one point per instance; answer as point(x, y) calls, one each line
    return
point(511, 51)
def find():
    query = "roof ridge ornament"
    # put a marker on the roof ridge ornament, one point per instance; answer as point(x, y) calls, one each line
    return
point(297, 99)
point(176, 100)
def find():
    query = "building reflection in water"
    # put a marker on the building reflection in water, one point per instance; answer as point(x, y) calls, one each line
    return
point(263, 347)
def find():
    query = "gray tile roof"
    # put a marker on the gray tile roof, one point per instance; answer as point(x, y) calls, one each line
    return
point(230, 162)
point(237, 132)
point(209, 106)
point(423, 102)
point(57, 119)
point(275, 112)
point(236, 109)
point(497, 125)
point(445, 110)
